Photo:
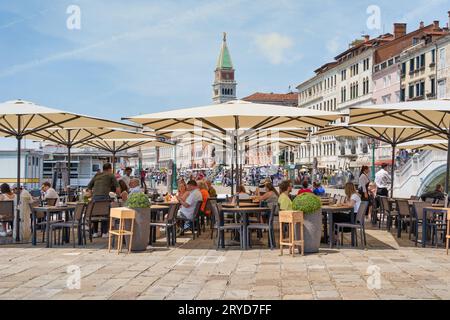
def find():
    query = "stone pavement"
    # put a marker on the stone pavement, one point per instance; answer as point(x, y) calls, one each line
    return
point(196, 270)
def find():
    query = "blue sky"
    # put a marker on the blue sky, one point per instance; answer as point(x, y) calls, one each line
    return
point(142, 56)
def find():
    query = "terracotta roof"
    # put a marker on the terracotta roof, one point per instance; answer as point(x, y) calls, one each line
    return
point(284, 98)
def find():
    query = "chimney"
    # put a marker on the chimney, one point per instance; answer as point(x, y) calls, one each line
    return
point(366, 37)
point(399, 30)
point(436, 24)
point(421, 25)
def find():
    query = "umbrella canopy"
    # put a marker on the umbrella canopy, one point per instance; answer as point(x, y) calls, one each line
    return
point(389, 134)
point(224, 116)
point(392, 135)
point(433, 115)
point(20, 119)
point(236, 115)
point(117, 145)
point(425, 144)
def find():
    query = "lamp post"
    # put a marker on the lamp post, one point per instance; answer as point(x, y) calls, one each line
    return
point(373, 142)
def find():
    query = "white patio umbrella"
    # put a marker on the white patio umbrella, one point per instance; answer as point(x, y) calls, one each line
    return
point(238, 115)
point(118, 145)
point(425, 144)
point(20, 119)
point(392, 135)
point(433, 115)
point(71, 137)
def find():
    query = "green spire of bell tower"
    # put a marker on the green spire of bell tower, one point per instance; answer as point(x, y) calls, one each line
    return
point(224, 61)
point(224, 86)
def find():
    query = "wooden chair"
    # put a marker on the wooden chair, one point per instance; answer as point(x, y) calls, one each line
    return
point(292, 218)
point(359, 224)
point(121, 214)
point(97, 211)
point(51, 202)
point(169, 223)
point(76, 223)
point(403, 216)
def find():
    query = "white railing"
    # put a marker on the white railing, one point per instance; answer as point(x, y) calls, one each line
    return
point(409, 178)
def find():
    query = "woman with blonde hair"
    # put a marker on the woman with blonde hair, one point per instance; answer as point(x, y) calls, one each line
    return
point(183, 193)
point(353, 198)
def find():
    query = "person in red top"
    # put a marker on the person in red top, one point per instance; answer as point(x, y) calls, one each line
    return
point(304, 188)
point(205, 195)
point(143, 175)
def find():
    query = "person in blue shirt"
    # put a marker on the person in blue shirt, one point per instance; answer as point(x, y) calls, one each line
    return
point(318, 190)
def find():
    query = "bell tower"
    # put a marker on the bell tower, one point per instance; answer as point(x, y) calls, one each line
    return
point(224, 86)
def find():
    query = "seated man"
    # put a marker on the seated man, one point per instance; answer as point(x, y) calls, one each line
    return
point(49, 192)
point(318, 190)
point(437, 194)
point(188, 206)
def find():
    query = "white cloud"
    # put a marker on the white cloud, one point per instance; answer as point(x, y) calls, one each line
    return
point(274, 46)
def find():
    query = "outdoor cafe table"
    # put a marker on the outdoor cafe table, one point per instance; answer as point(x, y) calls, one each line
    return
point(244, 211)
point(433, 212)
point(47, 211)
point(241, 205)
point(329, 210)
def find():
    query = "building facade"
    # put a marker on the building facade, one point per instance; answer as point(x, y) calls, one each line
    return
point(371, 71)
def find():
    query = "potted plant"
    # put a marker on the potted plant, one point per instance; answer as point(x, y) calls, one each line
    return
point(141, 233)
point(310, 205)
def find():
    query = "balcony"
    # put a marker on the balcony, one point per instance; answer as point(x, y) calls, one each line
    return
point(432, 65)
point(431, 95)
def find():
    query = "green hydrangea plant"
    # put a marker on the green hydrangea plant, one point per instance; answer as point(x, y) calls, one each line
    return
point(307, 202)
point(138, 200)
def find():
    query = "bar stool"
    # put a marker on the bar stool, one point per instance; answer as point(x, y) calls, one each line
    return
point(292, 218)
point(121, 214)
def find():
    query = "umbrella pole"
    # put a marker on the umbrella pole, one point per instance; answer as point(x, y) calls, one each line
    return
point(448, 166)
point(113, 160)
point(236, 155)
point(17, 220)
point(392, 170)
point(69, 147)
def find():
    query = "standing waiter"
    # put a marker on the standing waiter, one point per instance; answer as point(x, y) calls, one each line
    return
point(383, 181)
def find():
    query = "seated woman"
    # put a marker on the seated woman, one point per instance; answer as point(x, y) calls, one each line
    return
point(183, 193)
point(271, 194)
point(352, 199)
point(372, 193)
point(123, 190)
point(284, 200)
point(243, 195)
point(305, 188)
point(6, 195)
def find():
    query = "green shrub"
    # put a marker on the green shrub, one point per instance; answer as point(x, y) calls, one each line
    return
point(138, 200)
point(307, 202)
